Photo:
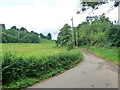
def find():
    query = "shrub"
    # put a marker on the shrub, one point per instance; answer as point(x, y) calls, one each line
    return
point(15, 68)
point(70, 45)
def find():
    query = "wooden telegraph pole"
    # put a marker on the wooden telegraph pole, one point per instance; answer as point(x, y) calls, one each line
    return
point(72, 30)
point(76, 38)
point(73, 34)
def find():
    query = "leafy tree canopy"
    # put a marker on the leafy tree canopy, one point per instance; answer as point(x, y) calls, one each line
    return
point(94, 4)
point(49, 36)
point(64, 35)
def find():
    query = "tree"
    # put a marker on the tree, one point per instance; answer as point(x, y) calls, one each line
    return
point(34, 38)
point(49, 36)
point(23, 29)
point(42, 36)
point(19, 36)
point(101, 32)
point(113, 36)
point(27, 39)
point(70, 45)
point(14, 27)
point(34, 32)
point(2, 26)
point(86, 4)
point(64, 35)
point(58, 41)
point(9, 39)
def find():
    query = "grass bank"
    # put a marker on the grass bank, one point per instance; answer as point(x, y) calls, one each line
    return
point(105, 53)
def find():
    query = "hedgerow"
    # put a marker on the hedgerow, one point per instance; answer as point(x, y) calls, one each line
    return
point(16, 68)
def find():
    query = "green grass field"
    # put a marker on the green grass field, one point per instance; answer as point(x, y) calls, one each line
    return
point(44, 48)
point(62, 58)
point(45, 60)
point(105, 53)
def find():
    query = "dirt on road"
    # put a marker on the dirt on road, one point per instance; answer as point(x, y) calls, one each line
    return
point(91, 72)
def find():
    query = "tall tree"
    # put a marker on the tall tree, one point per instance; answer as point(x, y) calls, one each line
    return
point(13, 27)
point(2, 26)
point(65, 35)
point(94, 4)
point(23, 29)
point(49, 36)
point(42, 36)
point(101, 32)
point(17, 36)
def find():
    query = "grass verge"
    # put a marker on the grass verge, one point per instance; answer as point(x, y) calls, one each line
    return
point(105, 53)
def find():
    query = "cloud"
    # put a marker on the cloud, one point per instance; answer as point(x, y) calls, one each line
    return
point(16, 3)
point(41, 16)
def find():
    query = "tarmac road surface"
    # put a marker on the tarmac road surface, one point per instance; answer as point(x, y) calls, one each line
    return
point(91, 72)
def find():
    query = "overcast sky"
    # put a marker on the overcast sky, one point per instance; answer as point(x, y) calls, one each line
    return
point(45, 16)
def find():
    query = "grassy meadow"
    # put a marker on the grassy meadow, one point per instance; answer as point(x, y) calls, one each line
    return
point(45, 48)
point(28, 63)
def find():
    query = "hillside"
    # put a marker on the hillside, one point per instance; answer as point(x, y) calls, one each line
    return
point(22, 35)
point(46, 41)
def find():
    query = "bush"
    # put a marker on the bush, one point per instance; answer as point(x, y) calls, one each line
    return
point(70, 45)
point(15, 68)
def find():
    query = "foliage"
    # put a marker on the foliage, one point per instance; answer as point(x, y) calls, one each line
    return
point(14, 27)
point(101, 32)
point(64, 35)
point(2, 26)
point(91, 4)
point(7, 38)
point(42, 36)
point(70, 45)
point(23, 29)
point(97, 32)
point(15, 68)
point(15, 35)
point(113, 36)
point(58, 41)
point(49, 36)
point(32, 38)
point(95, 4)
